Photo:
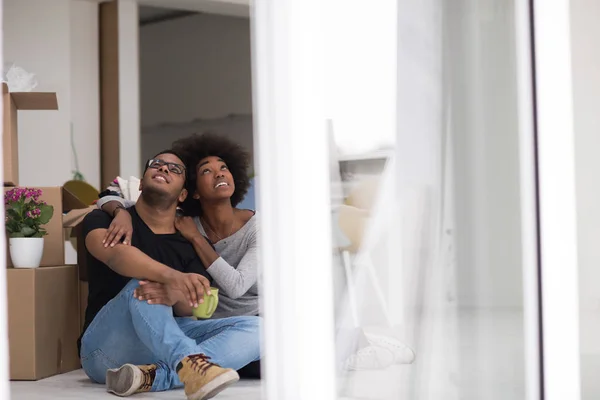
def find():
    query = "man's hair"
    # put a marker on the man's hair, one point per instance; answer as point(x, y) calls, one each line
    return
point(210, 144)
point(170, 151)
point(167, 151)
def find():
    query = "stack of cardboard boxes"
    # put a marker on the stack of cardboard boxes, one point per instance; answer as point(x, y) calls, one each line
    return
point(44, 310)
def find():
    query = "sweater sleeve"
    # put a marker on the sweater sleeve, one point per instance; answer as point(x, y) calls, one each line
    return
point(235, 282)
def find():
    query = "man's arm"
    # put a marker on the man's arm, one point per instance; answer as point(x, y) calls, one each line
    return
point(131, 262)
point(158, 293)
point(194, 266)
point(127, 260)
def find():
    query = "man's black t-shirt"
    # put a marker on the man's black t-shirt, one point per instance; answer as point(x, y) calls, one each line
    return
point(172, 250)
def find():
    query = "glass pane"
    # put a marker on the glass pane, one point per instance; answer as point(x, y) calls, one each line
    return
point(422, 101)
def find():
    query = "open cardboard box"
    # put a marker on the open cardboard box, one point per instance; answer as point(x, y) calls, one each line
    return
point(54, 243)
point(12, 102)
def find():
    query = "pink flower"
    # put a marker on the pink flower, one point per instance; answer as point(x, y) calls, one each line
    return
point(22, 194)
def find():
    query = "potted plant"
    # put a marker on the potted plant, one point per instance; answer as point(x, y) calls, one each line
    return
point(25, 215)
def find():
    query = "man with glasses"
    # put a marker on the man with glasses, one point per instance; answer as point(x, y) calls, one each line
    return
point(138, 336)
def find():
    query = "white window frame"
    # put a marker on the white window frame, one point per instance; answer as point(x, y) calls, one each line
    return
point(557, 212)
point(286, 87)
point(4, 385)
point(529, 206)
point(290, 129)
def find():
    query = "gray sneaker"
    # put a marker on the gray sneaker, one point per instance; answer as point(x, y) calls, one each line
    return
point(130, 379)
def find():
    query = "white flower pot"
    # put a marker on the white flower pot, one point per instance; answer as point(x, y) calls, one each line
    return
point(26, 252)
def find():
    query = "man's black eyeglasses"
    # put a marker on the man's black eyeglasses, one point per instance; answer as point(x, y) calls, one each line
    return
point(175, 168)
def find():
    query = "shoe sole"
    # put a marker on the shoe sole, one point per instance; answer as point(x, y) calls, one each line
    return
point(216, 386)
point(123, 381)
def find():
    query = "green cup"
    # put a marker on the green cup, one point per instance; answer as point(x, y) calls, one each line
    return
point(207, 309)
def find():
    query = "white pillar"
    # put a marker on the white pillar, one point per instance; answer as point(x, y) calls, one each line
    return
point(85, 90)
point(129, 89)
point(291, 143)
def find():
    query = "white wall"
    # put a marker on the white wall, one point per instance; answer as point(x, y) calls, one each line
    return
point(56, 40)
point(196, 67)
point(85, 89)
point(237, 128)
point(585, 64)
point(37, 37)
point(586, 88)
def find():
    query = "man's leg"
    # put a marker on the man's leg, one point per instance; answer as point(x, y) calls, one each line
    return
point(127, 330)
point(251, 371)
point(230, 342)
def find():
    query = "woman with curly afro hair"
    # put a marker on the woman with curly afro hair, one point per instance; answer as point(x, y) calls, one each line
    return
point(224, 237)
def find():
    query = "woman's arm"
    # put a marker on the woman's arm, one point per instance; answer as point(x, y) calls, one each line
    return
point(187, 227)
point(110, 206)
point(120, 228)
point(109, 203)
point(234, 282)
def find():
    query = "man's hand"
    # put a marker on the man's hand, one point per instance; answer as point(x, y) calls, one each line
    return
point(121, 227)
point(193, 286)
point(156, 293)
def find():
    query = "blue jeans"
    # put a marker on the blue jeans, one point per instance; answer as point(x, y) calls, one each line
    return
point(127, 330)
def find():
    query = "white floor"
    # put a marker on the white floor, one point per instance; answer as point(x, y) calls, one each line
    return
point(471, 355)
point(76, 385)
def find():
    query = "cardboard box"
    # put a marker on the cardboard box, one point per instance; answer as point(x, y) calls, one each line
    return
point(43, 321)
point(13, 102)
point(83, 299)
point(72, 221)
point(54, 245)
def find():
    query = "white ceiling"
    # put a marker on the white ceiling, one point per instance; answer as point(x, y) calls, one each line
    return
point(234, 8)
point(156, 14)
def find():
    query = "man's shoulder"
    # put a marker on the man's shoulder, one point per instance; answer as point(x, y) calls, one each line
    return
point(95, 219)
point(95, 216)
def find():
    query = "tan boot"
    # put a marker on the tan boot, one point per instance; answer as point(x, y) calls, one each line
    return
point(130, 379)
point(203, 379)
